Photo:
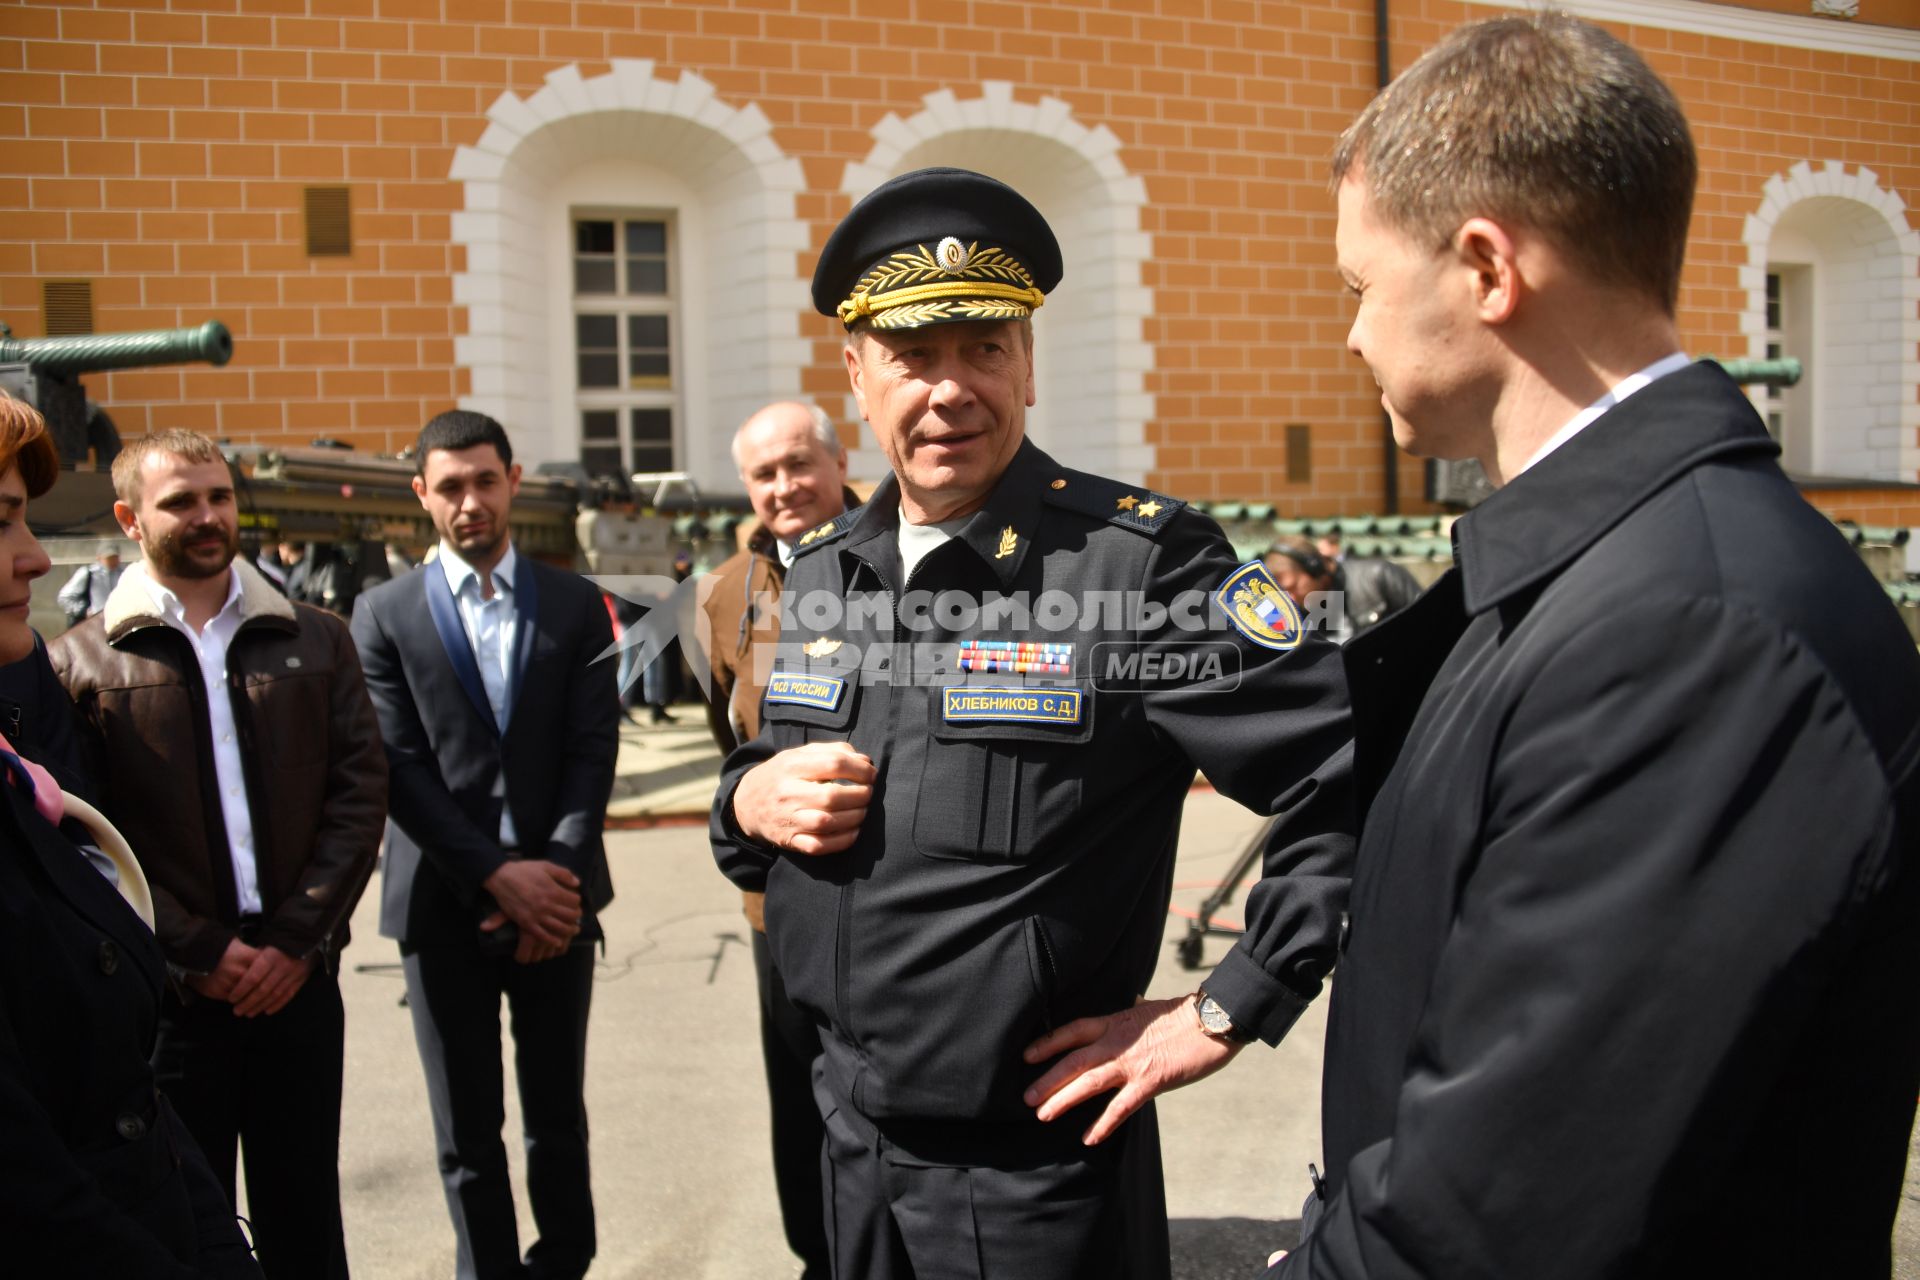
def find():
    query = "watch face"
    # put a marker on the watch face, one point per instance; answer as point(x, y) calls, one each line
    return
point(1213, 1017)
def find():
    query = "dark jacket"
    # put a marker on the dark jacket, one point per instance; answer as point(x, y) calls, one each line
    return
point(453, 768)
point(37, 717)
point(97, 1177)
point(1372, 590)
point(1013, 874)
point(739, 601)
point(1631, 981)
point(316, 779)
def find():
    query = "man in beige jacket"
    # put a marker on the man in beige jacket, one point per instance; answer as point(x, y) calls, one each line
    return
point(795, 470)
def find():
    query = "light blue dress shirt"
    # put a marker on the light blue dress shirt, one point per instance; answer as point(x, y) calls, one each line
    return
point(491, 624)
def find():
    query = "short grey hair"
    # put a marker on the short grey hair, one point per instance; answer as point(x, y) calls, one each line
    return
point(824, 433)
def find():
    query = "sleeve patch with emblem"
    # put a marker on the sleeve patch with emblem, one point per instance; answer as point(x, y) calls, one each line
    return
point(1258, 609)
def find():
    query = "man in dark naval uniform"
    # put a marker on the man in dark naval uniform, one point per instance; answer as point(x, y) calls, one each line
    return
point(1634, 962)
point(993, 685)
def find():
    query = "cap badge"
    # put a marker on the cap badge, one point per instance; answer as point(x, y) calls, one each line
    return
point(953, 256)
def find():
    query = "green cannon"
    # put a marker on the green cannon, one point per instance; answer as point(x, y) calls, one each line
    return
point(47, 373)
point(1766, 373)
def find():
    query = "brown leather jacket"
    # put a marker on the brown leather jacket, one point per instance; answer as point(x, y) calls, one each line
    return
point(316, 774)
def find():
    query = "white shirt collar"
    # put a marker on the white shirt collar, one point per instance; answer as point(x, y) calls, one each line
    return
point(459, 572)
point(1626, 387)
point(785, 550)
point(170, 604)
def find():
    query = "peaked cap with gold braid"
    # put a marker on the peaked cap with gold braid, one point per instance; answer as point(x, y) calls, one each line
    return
point(935, 246)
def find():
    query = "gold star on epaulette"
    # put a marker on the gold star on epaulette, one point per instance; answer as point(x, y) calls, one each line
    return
point(813, 535)
point(1127, 503)
point(1148, 509)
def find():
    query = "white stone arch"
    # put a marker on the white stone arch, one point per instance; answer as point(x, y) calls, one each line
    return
point(630, 139)
point(1861, 258)
point(1091, 350)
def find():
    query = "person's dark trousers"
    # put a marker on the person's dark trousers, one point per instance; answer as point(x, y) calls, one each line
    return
point(789, 1042)
point(454, 992)
point(271, 1084)
point(897, 1213)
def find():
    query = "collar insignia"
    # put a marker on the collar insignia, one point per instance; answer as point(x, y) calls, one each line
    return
point(1008, 540)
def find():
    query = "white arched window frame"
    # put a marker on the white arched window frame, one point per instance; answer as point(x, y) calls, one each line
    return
point(1849, 267)
point(630, 141)
point(1091, 352)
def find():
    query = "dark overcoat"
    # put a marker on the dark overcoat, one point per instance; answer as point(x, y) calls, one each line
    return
point(97, 1177)
point(1634, 960)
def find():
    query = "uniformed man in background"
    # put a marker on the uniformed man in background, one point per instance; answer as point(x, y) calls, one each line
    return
point(994, 683)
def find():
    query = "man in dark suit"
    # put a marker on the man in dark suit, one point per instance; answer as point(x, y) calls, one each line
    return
point(501, 727)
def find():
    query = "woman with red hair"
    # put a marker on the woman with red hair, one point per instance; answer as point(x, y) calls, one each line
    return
point(97, 1178)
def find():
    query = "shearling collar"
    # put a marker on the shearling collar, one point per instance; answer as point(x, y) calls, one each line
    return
point(131, 605)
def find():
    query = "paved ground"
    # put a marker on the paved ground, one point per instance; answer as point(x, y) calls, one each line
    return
point(681, 1173)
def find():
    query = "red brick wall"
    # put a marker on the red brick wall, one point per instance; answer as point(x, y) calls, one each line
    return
point(160, 149)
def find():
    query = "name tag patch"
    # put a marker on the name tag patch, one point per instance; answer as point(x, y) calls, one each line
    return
point(820, 692)
point(978, 705)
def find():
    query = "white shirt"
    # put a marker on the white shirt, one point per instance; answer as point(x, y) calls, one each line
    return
point(210, 645)
point(1627, 386)
point(490, 625)
point(917, 540)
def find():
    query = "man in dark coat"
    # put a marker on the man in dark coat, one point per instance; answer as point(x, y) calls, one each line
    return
point(500, 726)
point(1633, 959)
point(980, 725)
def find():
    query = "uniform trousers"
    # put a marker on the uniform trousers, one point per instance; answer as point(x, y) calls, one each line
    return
point(454, 992)
point(934, 1202)
point(269, 1085)
point(789, 1042)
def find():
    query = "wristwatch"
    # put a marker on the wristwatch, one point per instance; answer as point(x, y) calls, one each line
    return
point(1217, 1022)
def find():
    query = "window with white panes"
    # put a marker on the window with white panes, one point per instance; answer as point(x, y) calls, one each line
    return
point(624, 325)
point(1789, 410)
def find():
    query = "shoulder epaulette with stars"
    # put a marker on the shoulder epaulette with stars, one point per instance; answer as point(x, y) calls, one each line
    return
point(1129, 506)
point(820, 535)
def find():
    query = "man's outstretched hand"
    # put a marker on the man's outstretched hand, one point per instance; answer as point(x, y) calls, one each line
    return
point(1140, 1052)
